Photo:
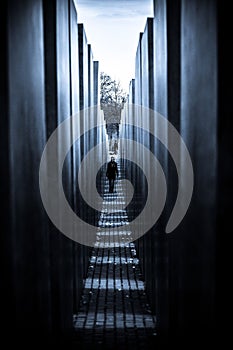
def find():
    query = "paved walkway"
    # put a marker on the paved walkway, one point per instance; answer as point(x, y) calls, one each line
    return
point(114, 311)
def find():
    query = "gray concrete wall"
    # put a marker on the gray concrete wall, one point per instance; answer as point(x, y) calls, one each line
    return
point(42, 270)
point(160, 56)
point(83, 67)
point(132, 92)
point(147, 57)
point(83, 85)
point(198, 127)
point(6, 273)
point(58, 108)
point(79, 267)
point(96, 83)
point(91, 136)
point(74, 59)
point(180, 268)
point(90, 77)
point(138, 73)
point(147, 93)
point(26, 236)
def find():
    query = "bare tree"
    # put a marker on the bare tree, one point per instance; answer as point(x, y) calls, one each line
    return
point(112, 97)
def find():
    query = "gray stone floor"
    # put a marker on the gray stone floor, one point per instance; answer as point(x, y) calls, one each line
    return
point(114, 310)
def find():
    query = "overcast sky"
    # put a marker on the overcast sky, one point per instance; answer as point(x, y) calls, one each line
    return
point(112, 28)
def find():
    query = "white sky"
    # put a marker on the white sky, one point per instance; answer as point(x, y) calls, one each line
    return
point(112, 28)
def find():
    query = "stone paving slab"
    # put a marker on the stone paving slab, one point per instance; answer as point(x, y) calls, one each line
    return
point(114, 310)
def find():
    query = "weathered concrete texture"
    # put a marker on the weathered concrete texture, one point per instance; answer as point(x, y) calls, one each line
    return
point(40, 88)
point(173, 87)
point(128, 133)
point(91, 136)
point(145, 244)
point(143, 84)
point(79, 268)
point(160, 56)
point(132, 92)
point(26, 237)
point(161, 83)
point(90, 76)
point(167, 314)
point(147, 57)
point(83, 87)
point(96, 99)
point(198, 128)
point(83, 67)
point(58, 65)
point(167, 103)
point(6, 273)
point(88, 92)
point(138, 73)
point(74, 59)
point(152, 75)
point(180, 267)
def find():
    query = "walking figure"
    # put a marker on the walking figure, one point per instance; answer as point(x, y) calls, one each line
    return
point(111, 173)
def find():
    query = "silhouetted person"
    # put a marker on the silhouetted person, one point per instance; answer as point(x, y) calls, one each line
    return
point(111, 173)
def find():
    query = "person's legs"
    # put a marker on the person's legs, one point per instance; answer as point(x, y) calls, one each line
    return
point(111, 185)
